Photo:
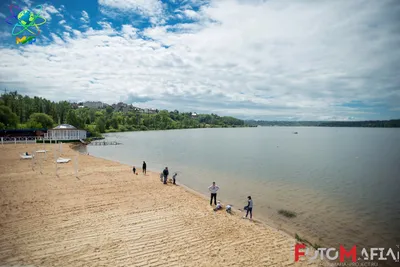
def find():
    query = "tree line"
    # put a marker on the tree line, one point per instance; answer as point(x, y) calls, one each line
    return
point(24, 112)
point(21, 112)
point(376, 123)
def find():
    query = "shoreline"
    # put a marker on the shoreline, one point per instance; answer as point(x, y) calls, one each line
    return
point(107, 216)
point(291, 232)
point(238, 211)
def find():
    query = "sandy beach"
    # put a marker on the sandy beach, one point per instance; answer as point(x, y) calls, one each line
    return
point(109, 217)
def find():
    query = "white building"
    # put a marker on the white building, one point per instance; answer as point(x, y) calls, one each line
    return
point(94, 104)
point(65, 132)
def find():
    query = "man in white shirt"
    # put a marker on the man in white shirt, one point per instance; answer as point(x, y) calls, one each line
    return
point(213, 189)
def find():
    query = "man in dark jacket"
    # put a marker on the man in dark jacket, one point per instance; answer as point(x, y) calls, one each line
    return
point(144, 167)
point(165, 172)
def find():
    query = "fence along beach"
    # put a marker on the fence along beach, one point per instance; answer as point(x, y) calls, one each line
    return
point(105, 215)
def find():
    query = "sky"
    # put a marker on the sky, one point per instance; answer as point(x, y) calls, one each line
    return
point(251, 59)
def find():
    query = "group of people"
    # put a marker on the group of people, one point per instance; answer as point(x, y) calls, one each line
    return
point(164, 176)
point(214, 189)
point(144, 167)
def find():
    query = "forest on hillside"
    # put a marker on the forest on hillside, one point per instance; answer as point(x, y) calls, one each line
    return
point(22, 112)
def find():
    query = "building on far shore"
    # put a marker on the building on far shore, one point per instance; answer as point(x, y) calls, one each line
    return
point(93, 104)
point(65, 133)
point(149, 111)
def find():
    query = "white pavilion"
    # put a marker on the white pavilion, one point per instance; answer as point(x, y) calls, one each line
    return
point(65, 132)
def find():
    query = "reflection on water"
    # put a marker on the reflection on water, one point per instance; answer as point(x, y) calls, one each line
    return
point(342, 182)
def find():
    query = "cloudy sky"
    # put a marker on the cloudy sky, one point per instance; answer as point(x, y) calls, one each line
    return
point(253, 59)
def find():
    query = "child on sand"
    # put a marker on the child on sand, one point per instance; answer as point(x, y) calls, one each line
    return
point(219, 206)
point(174, 178)
point(228, 208)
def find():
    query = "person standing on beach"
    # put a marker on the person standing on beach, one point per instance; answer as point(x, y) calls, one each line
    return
point(213, 189)
point(249, 208)
point(134, 170)
point(174, 178)
point(165, 172)
point(144, 167)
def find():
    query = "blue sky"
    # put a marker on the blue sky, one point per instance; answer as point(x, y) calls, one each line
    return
point(252, 59)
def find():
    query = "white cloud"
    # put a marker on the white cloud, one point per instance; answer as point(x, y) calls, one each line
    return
point(46, 11)
point(68, 28)
point(51, 9)
point(57, 40)
point(27, 2)
point(151, 8)
point(62, 8)
point(272, 59)
point(85, 17)
point(65, 26)
point(5, 34)
point(191, 14)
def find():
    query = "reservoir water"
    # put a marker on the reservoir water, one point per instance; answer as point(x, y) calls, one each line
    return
point(343, 183)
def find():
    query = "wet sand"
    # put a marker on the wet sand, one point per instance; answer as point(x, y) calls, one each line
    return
point(109, 217)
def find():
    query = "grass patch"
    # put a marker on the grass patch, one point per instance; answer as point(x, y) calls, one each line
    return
point(305, 241)
point(287, 213)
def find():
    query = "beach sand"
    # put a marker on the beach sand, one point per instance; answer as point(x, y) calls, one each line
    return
point(110, 217)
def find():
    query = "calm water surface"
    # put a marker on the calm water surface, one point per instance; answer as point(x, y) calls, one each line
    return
point(342, 182)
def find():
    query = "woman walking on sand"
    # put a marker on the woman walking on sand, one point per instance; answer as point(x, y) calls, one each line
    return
point(144, 167)
point(249, 208)
point(134, 170)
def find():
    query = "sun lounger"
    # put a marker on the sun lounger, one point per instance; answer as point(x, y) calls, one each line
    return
point(41, 151)
point(63, 160)
point(26, 156)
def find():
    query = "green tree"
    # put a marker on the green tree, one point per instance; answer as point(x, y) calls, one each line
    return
point(109, 110)
point(101, 125)
point(75, 120)
point(40, 120)
point(8, 118)
point(114, 123)
point(62, 108)
point(92, 115)
point(131, 119)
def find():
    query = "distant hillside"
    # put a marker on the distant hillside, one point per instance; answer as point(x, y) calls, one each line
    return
point(17, 111)
point(380, 124)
